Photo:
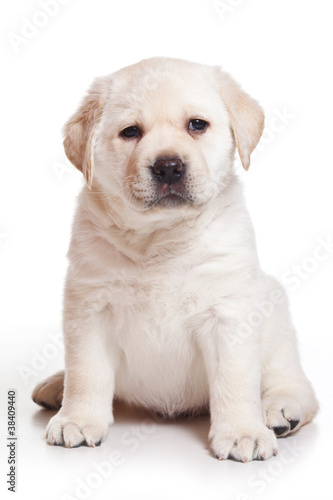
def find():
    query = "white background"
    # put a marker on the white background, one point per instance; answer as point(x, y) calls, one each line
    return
point(281, 52)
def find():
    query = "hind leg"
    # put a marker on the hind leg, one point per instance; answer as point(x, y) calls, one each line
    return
point(288, 399)
point(49, 393)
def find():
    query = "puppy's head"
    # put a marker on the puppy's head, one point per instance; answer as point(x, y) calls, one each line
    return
point(162, 133)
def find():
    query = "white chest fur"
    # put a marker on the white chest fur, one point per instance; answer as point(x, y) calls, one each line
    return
point(161, 365)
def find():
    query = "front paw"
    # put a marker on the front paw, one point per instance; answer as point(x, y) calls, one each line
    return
point(72, 431)
point(243, 444)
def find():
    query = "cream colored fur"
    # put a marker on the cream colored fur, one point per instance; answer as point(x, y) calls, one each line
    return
point(162, 290)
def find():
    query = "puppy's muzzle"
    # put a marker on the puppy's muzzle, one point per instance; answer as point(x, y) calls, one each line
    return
point(168, 170)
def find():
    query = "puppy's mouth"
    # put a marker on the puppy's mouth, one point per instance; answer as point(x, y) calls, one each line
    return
point(171, 200)
point(169, 197)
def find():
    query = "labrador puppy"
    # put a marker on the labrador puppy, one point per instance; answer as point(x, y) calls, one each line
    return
point(165, 304)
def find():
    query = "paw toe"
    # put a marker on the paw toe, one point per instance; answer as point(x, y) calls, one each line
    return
point(54, 434)
point(282, 415)
point(93, 435)
point(73, 437)
point(293, 424)
point(280, 430)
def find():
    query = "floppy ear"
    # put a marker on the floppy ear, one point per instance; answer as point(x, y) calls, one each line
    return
point(80, 131)
point(246, 116)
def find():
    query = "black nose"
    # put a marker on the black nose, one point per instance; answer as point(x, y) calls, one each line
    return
point(168, 170)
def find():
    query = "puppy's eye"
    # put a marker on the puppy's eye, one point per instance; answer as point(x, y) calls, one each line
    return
point(197, 125)
point(130, 132)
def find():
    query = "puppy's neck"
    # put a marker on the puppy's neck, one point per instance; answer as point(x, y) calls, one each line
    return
point(139, 234)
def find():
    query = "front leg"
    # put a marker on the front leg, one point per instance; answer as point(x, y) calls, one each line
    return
point(90, 364)
point(232, 363)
